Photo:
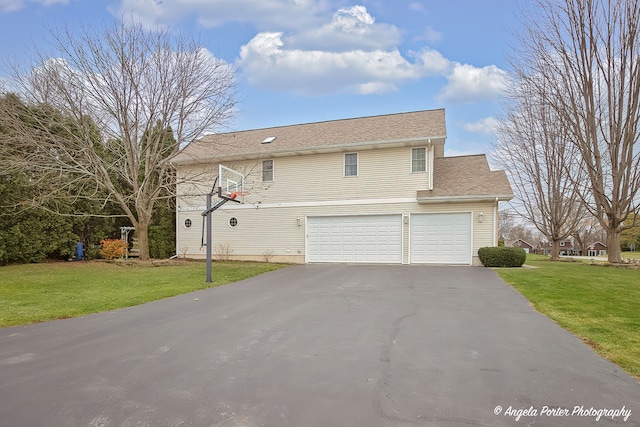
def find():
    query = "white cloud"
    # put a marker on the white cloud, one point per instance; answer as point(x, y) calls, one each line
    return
point(268, 63)
point(354, 54)
point(13, 5)
point(467, 84)
point(417, 7)
point(349, 29)
point(432, 61)
point(486, 126)
point(264, 14)
point(305, 47)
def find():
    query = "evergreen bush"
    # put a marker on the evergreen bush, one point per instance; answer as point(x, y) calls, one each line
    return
point(502, 256)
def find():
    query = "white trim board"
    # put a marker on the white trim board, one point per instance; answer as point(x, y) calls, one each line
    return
point(348, 202)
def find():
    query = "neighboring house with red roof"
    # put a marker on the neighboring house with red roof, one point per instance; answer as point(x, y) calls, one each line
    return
point(597, 249)
point(567, 248)
point(528, 248)
point(371, 189)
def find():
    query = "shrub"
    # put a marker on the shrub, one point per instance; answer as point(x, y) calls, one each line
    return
point(502, 256)
point(113, 248)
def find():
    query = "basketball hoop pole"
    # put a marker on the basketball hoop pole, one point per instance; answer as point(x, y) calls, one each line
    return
point(209, 253)
point(210, 209)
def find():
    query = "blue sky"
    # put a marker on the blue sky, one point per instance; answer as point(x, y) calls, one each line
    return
point(303, 61)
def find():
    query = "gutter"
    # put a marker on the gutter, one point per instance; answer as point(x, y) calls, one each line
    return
point(463, 199)
point(409, 142)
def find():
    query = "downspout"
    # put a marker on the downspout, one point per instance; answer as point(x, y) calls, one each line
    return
point(432, 150)
point(495, 223)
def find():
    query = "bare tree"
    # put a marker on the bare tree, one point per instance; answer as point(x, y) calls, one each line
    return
point(587, 233)
point(533, 148)
point(506, 225)
point(117, 91)
point(512, 226)
point(585, 57)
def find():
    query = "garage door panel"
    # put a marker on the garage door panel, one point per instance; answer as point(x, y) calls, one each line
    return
point(376, 239)
point(441, 238)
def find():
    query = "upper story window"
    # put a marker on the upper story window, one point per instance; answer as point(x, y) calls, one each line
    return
point(351, 164)
point(419, 159)
point(267, 170)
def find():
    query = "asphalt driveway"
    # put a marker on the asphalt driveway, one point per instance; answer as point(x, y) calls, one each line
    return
point(316, 345)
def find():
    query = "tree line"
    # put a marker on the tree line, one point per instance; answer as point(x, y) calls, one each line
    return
point(35, 225)
point(569, 138)
point(89, 130)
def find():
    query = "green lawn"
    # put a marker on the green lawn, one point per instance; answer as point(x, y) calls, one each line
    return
point(40, 292)
point(598, 304)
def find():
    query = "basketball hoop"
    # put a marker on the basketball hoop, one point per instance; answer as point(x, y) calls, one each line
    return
point(230, 186)
point(238, 194)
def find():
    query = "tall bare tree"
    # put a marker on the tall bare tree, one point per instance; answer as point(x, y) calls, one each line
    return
point(587, 233)
point(585, 56)
point(511, 227)
point(115, 90)
point(533, 147)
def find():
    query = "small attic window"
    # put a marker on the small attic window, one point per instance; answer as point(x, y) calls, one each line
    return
point(269, 140)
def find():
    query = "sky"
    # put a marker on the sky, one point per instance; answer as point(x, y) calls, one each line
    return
point(302, 61)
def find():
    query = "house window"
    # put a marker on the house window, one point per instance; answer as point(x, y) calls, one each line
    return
point(233, 221)
point(187, 223)
point(267, 170)
point(419, 159)
point(561, 243)
point(351, 164)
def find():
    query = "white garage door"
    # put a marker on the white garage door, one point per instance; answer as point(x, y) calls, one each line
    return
point(361, 238)
point(441, 238)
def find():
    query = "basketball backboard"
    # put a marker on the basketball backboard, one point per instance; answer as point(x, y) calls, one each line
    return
point(231, 183)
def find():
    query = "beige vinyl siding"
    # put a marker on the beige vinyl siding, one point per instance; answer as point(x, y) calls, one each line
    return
point(273, 227)
point(383, 173)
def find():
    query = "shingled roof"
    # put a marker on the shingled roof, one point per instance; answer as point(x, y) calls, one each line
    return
point(466, 178)
point(417, 126)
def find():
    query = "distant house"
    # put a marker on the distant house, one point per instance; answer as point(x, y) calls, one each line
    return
point(528, 248)
point(597, 249)
point(542, 248)
point(567, 248)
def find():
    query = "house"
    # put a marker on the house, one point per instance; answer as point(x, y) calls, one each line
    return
point(371, 189)
point(528, 248)
point(597, 249)
point(567, 248)
point(542, 248)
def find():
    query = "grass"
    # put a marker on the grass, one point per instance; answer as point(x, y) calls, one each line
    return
point(41, 292)
point(631, 255)
point(596, 303)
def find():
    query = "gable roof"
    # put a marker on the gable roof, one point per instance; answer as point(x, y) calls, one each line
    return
point(597, 243)
point(522, 241)
point(409, 128)
point(466, 177)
